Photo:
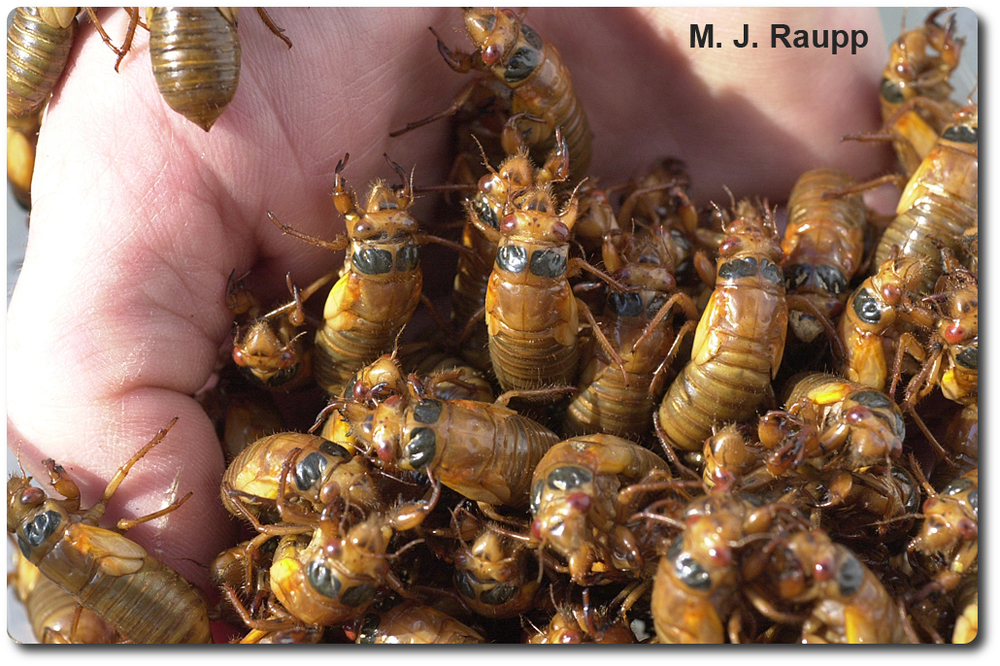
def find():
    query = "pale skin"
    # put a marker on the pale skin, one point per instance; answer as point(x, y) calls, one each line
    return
point(138, 216)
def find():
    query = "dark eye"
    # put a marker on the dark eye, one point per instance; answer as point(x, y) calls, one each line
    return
point(372, 261)
point(675, 548)
point(680, 239)
point(797, 275)
point(830, 279)
point(654, 306)
point(334, 450)
point(485, 212)
point(961, 134)
point(891, 92)
point(771, 272)
point(563, 478)
point(738, 268)
point(850, 576)
point(521, 64)
point(309, 470)
point(531, 37)
point(419, 452)
point(866, 307)
point(428, 411)
point(499, 595)
point(42, 527)
point(547, 263)
point(872, 400)
point(974, 501)
point(369, 629)
point(464, 583)
point(625, 304)
point(690, 572)
point(513, 258)
point(284, 375)
point(407, 258)
point(536, 495)
point(322, 579)
point(357, 595)
point(957, 486)
point(968, 358)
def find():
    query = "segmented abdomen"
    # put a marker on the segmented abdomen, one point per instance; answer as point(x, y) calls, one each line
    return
point(196, 61)
point(36, 56)
point(153, 605)
point(551, 95)
point(823, 233)
point(943, 217)
point(727, 388)
point(382, 309)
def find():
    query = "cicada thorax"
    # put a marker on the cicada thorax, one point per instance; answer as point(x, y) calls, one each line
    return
point(440, 376)
point(967, 607)
point(621, 400)
point(876, 314)
point(855, 425)
point(607, 401)
point(412, 623)
point(961, 440)
point(195, 53)
point(451, 378)
point(144, 599)
point(849, 604)
point(740, 338)
point(824, 244)
point(947, 544)
point(915, 89)
point(331, 578)
point(970, 248)
point(318, 471)
point(484, 210)
point(482, 451)
point(379, 287)
point(879, 502)
point(496, 576)
point(273, 354)
point(537, 81)
point(957, 331)
point(532, 315)
point(940, 201)
point(576, 507)
point(573, 624)
point(471, 278)
point(52, 611)
point(694, 589)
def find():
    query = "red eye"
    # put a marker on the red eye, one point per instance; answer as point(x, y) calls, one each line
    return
point(492, 54)
point(579, 501)
point(31, 496)
point(729, 245)
point(892, 293)
point(824, 570)
point(955, 333)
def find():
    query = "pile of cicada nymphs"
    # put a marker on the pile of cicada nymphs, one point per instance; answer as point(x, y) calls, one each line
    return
point(643, 420)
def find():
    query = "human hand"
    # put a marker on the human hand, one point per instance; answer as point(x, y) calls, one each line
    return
point(139, 216)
